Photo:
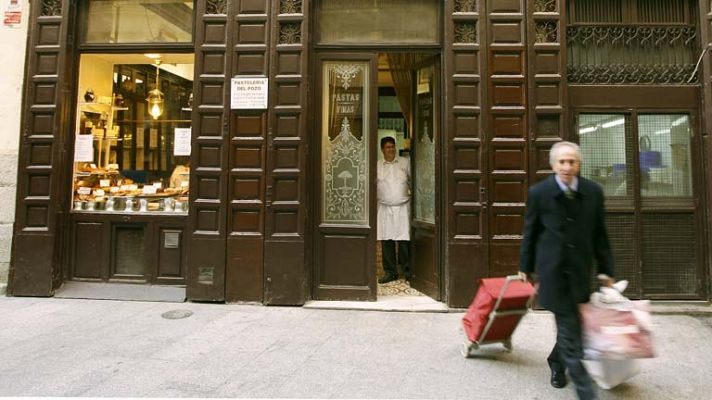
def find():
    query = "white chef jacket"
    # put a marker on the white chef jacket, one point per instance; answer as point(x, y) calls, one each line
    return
point(393, 181)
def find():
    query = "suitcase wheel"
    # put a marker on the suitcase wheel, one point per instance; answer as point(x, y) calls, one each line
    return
point(468, 348)
point(507, 344)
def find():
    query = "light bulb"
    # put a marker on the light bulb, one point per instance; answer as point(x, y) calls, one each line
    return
point(156, 111)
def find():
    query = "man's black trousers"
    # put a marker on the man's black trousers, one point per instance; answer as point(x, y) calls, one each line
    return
point(388, 248)
point(568, 352)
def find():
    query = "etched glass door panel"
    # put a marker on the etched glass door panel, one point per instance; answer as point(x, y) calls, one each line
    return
point(426, 254)
point(424, 185)
point(345, 139)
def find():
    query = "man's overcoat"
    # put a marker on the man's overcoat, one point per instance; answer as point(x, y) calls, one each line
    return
point(562, 239)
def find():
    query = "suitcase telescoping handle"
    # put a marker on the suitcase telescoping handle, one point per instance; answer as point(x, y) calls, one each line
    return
point(508, 279)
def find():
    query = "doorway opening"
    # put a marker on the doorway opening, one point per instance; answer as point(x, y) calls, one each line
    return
point(406, 263)
point(363, 96)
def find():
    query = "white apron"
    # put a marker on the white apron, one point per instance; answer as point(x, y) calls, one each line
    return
point(393, 181)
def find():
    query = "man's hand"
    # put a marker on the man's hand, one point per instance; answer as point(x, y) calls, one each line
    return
point(523, 276)
point(605, 280)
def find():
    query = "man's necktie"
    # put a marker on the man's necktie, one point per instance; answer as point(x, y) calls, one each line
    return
point(569, 193)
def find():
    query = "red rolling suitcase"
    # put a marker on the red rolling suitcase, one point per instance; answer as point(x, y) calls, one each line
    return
point(499, 305)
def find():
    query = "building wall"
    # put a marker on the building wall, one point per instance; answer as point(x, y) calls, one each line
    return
point(13, 41)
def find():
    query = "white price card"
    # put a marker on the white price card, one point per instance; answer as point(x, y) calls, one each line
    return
point(84, 148)
point(181, 142)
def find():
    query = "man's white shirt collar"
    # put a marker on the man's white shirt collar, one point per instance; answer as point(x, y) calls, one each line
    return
point(563, 186)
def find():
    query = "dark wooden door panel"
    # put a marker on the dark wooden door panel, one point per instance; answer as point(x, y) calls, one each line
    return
point(344, 192)
point(40, 215)
point(344, 257)
point(89, 255)
point(245, 258)
point(214, 32)
point(425, 163)
point(285, 271)
point(171, 258)
point(507, 142)
point(426, 265)
point(465, 227)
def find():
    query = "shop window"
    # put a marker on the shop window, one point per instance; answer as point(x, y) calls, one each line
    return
point(663, 159)
point(137, 21)
point(603, 149)
point(131, 151)
point(378, 22)
point(664, 142)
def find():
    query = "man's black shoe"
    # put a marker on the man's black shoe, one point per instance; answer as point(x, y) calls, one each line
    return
point(558, 379)
point(408, 276)
point(388, 278)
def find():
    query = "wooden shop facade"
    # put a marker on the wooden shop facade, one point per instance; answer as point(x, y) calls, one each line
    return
point(230, 147)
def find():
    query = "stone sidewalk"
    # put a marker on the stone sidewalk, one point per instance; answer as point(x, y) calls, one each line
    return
point(64, 347)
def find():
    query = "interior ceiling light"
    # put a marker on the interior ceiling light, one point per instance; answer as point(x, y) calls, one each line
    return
point(586, 130)
point(613, 123)
point(155, 99)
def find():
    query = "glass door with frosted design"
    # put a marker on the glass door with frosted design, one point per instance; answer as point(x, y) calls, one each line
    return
point(345, 237)
point(425, 262)
point(345, 143)
point(424, 185)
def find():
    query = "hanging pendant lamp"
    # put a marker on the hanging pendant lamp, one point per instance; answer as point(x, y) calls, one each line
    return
point(155, 98)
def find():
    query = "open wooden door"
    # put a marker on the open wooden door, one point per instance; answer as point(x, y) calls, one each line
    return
point(345, 195)
point(425, 189)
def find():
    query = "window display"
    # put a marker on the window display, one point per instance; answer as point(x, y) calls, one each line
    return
point(128, 157)
point(664, 158)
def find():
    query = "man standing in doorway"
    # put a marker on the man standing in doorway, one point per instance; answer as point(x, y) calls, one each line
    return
point(393, 179)
point(564, 230)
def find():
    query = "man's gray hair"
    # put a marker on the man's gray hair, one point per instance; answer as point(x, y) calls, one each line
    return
point(556, 148)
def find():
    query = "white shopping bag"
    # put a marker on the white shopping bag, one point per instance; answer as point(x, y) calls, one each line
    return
point(616, 334)
point(615, 328)
point(610, 373)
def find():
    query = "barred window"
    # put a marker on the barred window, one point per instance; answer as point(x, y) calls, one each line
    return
point(632, 11)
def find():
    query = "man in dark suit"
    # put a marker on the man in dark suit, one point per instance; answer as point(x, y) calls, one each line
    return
point(564, 232)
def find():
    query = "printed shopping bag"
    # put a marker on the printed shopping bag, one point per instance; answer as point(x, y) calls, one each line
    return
point(615, 328)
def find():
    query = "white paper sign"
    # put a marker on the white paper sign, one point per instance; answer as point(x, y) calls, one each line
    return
point(248, 93)
point(181, 142)
point(84, 148)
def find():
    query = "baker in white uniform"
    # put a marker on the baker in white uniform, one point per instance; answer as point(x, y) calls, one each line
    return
point(393, 210)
